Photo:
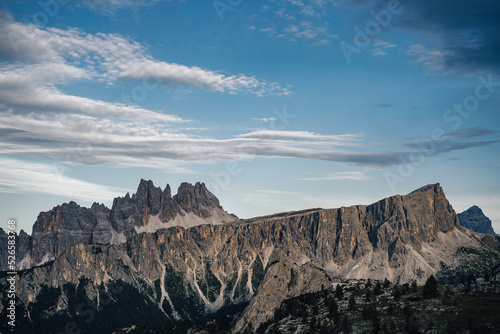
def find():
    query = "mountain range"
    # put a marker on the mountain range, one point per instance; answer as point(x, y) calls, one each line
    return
point(155, 256)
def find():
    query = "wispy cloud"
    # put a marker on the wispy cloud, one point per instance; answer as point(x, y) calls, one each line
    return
point(384, 105)
point(377, 52)
point(170, 73)
point(340, 140)
point(32, 88)
point(73, 139)
point(297, 21)
point(469, 133)
point(111, 6)
point(433, 60)
point(352, 176)
point(22, 176)
point(84, 139)
point(265, 119)
point(383, 44)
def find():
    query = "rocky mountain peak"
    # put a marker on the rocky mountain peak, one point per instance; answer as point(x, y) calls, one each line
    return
point(189, 196)
point(167, 193)
point(436, 188)
point(474, 219)
point(149, 209)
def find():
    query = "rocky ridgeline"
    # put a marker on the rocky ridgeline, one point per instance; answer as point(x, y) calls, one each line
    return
point(474, 219)
point(181, 273)
point(70, 224)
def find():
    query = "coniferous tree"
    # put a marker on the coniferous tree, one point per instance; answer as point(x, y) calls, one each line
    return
point(471, 279)
point(339, 292)
point(352, 303)
point(387, 283)
point(413, 286)
point(368, 296)
point(333, 309)
point(376, 329)
point(346, 325)
point(325, 328)
point(397, 292)
point(430, 287)
point(378, 289)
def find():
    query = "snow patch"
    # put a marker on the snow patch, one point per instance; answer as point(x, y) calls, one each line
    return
point(25, 263)
point(186, 220)
point(117, 238)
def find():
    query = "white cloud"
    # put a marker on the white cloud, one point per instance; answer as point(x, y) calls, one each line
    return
point(341, 140)
point(21, 176)
point(296, 21)
point(109, 57)
point(353, 176)
point(84, 139)
point(383, 44)
point(434, 60)
point(111, 6)
point(163, 72)
point(378, 52)
point(31, 88)
point(265, 119)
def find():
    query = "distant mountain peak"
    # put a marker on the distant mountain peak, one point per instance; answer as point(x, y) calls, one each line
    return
point(474, 219)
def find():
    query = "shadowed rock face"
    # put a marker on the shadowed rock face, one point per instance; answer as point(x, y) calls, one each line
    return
point(474, 219)
point(262, 260)
point(70, 224)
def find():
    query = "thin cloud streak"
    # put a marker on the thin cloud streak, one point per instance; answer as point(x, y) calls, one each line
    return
point(94, 141)
point(340, 176)
point(25, 177)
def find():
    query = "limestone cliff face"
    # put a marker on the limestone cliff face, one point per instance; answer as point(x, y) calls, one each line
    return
point(148, 209)
point(187, 272)
point(23, 244)
point(56, 230)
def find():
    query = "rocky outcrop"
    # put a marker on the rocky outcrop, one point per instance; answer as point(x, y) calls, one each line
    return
point(22, 249)
point(55, 230)
point(184, 273)
point(474, 219)
point(149, 209)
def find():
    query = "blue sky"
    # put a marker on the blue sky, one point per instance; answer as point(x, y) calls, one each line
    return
point(277, 105)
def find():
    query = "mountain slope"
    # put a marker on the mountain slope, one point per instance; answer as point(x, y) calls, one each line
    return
point(184, 273)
